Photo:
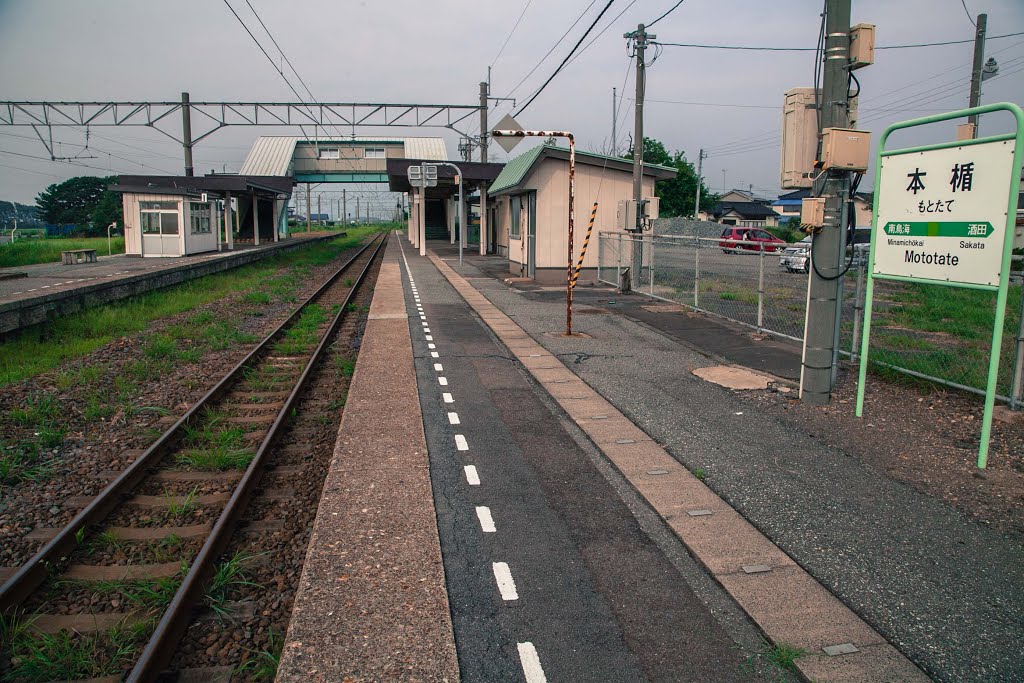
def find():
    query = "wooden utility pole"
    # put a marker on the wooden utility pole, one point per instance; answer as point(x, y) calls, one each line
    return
point(483, 121)
point(821, 335)
point(639, 38)
point(700, 168)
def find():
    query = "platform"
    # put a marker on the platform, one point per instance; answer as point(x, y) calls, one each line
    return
point(48, 289)
point(603, 514)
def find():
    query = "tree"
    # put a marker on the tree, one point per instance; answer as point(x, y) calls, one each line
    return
point(84, 201)
point(677, 194)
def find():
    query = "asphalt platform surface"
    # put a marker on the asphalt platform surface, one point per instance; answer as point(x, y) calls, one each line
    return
point(603, 591)
point(948, 592)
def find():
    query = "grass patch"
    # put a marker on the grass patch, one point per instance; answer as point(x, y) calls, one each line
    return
point(346, 365)
point(262, 665)
point(300, 338)
point(27, 252)
point(227, 577)
point(783, 655)
point(700, 473)
point(35, 656)
point(179, 509)
point(22, 462)
point(43, 347)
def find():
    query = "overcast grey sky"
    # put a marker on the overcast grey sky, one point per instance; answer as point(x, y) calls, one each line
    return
point(439, 50)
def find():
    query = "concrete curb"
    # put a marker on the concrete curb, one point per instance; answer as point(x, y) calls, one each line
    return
point(786, 602)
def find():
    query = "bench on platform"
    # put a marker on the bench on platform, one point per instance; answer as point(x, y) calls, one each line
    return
point(73, 256)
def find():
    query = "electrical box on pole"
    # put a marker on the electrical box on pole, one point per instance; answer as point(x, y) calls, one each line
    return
point(862, 46)
point(845, 149)
point(652, 207)
point(800, 137)
point(625, 214)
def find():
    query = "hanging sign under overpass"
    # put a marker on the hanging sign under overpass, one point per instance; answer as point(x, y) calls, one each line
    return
point(942, 213)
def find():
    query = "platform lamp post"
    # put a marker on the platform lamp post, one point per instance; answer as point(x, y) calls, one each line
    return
point(508, 134)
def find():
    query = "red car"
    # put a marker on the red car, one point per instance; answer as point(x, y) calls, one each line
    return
point(761, 239)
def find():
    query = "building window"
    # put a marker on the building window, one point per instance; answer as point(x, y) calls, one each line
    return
point(200, 217)
point(516, 206)
point(373, 153)
point(159, 218)
point(329, 153)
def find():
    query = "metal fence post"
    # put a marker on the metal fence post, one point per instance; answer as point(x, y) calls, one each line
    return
point(618, 260)
point(858, 308)
point(696, 274)
point(600, 255)
point(1018, 360)
point(650, 269)
point(760, 290)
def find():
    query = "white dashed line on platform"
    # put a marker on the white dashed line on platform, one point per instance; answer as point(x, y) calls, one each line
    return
point(483, 513)
point(460, 442)
point(506, 585)
point(472, 478)
point(453, 418)
point(429, 339)
point(448, 398)
point(443, 381)
point(435, 354)
point(530, 660)
point(438, 367)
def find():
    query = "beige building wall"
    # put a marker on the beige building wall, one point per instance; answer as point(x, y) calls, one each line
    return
point(352, 158)
point(133, 227)
point(551, 180)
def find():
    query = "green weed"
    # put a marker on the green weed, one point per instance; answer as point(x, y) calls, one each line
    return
point(228, 576)
point(36, 656)
point(22, 462)
point(700, 473)
point(262, 665)
point(179, 508)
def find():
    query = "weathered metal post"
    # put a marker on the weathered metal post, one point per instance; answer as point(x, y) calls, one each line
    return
point(858, 308)
point(696, 274)
point(186, 132)
point(760, 290)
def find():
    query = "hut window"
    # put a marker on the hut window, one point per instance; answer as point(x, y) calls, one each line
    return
point(373, 153)
point(159, 218)
point(200, 216)
point(330, 153)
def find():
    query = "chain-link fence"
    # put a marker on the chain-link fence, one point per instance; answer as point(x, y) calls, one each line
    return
point(941, 334)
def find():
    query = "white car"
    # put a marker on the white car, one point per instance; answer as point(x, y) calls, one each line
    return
point(796, 258)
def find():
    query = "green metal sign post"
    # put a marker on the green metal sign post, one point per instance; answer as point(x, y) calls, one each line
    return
point(941, 212)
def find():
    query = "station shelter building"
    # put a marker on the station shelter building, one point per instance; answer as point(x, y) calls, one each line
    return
point(441, 210)
point(167, 216)
point(531, 207)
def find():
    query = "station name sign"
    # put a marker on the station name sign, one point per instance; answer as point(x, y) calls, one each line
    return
point(942, 213)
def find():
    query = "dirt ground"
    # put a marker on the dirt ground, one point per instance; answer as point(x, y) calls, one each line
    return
point(921, 435)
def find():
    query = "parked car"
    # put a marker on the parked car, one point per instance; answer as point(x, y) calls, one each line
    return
point(764, 240)
point(796, 258)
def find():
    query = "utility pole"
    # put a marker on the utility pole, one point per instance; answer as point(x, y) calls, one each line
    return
point(976, 73)
point(319, 211)
point(186, 132)
point(640, 38)
point(701, 156)
point(483, 121)
point(615, 115)
point(309, 212)
point(344, 207)
point(829, 246)
point(357, 209)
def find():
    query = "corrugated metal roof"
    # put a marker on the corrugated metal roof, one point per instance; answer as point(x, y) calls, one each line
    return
point(515, 170)
point(270, 155)
point(426, 148)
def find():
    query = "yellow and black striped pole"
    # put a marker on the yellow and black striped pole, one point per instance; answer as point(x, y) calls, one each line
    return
point(586, 241)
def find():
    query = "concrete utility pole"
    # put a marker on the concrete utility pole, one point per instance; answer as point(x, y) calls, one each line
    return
point(640, 38)
point(823, 289)
point(615, 116)
point(309, 211)
point(186, 132)
point(979, 65)
point(701, 156)
point(483, 121)
point(357, 209)
point(344, 207)
point(319, 211)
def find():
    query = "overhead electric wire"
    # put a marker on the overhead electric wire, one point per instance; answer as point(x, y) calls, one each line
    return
point(667, 12)
point(762, 48)
point(968, 13)
point(509, 36)
point(601, 33)
point(567, 57)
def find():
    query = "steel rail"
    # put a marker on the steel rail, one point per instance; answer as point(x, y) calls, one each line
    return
point(163, 641)
point(28, 577)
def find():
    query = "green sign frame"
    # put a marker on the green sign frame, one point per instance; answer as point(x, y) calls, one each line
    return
point(1004, 280)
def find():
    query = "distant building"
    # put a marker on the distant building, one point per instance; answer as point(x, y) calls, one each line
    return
point(788, 205)
point(742, 214)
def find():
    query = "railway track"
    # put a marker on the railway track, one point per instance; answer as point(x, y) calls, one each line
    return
point(156, 532)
